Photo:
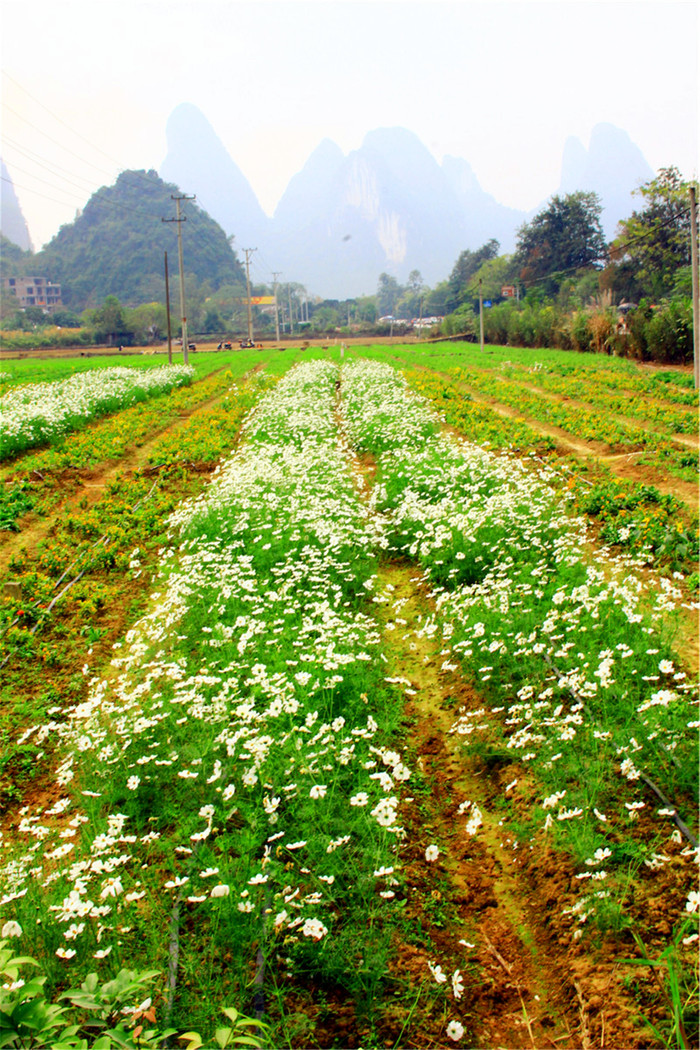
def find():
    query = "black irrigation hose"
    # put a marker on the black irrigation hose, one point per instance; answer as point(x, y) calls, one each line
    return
point(173, 960)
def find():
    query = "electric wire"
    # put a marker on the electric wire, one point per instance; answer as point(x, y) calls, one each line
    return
point(50, 166)
point(617, 248)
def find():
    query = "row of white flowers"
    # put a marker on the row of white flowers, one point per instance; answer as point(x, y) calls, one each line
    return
point(236, 758)
point(576, 682)
point(37, 413)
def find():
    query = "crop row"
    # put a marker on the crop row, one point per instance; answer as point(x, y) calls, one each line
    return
point(587, 387)
point(40, 479)
point(42, 412)
point(579, 690)
point(598, 371)
point(234, 779)
point(234, 769)
point(72, 591)
point(632, 516)
point(585, 423)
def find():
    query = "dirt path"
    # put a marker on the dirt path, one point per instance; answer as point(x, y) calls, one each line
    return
point(476, 910)
point(526, 985)
point(516, 992)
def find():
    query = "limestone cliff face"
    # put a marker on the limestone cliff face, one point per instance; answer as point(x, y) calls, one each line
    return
point(362, 189)
point(388, 206)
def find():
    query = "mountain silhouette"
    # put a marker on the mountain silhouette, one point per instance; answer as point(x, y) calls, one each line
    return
point(388, 206)
point(198, 162)
point(612, 166)
point(12, 223)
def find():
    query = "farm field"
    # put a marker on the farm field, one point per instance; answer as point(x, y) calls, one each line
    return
point(355, 692)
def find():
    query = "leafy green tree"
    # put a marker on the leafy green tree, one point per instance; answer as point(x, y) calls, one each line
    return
point(110, 322)
point(564, 237)
point(366, 309)
point(149, 322)
point(410, 303)
point(653, 245)
point(490, 278)
point(326, 318)
point(435, 302)
point(65, 318)
point(467, 264)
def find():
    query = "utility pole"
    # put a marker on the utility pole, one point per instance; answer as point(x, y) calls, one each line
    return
point(248, 253)
point(179, 219)
point(291, 318)
point(481, 317)
point(696, 291)
point(277, 313)
point(167, 310)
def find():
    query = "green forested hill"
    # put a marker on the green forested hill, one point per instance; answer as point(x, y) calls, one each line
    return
point(116, 246)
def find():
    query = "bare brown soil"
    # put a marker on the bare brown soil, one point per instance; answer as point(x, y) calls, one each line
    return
point(492, 907)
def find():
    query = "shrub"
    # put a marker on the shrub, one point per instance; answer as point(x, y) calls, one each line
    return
point(670, 332)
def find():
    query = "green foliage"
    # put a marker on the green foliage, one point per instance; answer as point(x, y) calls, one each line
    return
point(115, 247)
point(14, 501)
point(566, 236)
point(388, 294)
point(656, 240)
point(467, 265)
point(235, 1034)
point(29, 1019)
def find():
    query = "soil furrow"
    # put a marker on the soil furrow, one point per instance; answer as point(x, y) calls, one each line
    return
point(517, 994)
point(89, 484)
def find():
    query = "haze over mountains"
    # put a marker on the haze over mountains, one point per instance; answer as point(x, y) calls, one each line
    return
point(388, 206)
point(12, 221)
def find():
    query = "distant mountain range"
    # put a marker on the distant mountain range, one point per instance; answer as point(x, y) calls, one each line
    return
point(388, 206)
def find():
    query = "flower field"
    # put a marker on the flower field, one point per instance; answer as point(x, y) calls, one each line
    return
point(346, 724)
point(36, 414)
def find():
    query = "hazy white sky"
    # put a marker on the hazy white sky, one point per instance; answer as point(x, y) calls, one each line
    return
point(88, 85)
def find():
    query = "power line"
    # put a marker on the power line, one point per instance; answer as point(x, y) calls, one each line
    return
point(59, 119)
point(54, 116)
point(621, 248)
point(56, 142)
point(50, 166)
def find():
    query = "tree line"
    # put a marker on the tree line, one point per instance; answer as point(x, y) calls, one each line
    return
point(563, 286)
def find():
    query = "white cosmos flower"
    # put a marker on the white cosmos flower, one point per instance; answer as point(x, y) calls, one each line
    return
point(111, 888)
point(432, 853)
point(220, 890)
point(11, 929)
point(437, 972)
point(455, 1030)
point(314, 928)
